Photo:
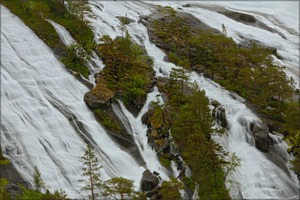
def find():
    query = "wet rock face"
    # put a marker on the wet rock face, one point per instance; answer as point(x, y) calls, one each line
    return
point(219, 114)
point(165, 16)
point(12, 175)
point(149, 181)
point(240, 16)
point(261, 136)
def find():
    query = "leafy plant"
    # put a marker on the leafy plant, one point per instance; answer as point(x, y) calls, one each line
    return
point(170, 189)
point(134, 88)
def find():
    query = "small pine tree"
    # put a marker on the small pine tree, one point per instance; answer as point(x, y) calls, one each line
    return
point(38, 182)
point(90, 168)
point(119, 188)
point(179, 74)
point(170, 189)
point(79, 8)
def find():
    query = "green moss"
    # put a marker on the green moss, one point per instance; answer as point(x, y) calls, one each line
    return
point(165, 162)
point(107, 121)
point(31, 16)
point(190, 183)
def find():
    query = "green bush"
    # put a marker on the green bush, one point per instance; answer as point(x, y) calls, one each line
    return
point(135, 88)
point(127, 67)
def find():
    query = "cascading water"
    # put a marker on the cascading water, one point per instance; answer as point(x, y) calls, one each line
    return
point(258, 176)
point(94, 64)
point(42, 104)
point(139, 132)
point(44, 121)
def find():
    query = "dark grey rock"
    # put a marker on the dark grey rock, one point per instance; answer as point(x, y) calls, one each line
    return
point(215, 103)
point(149, 181)
point(219, 114)
point(261, 136)
point(240, 16)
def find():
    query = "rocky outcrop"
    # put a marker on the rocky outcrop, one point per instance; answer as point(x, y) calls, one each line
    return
point(100, 96)
point(100, 100)
point(94, 101)
point(149, 181)
point(249, 43)
point(12, 175)
point(239, 16)
point(261, 136)
point(158, 129)
point(167, 15)
point(202, 70)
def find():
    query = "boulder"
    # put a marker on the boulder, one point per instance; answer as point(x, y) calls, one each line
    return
point(215, 103)
point(208, 74)
point(94, 101)
point(144, 17)
point(198, 68)
point(219, 114)
point(145, 118)
point(261, 136)
point(161, 145)
point(187, 5)
point(149, 181)
point(100, 96)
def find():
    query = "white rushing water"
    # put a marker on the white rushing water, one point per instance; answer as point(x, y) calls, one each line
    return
point(257, 177)
point(45, 122)
point(139, 132)
point(44, 119)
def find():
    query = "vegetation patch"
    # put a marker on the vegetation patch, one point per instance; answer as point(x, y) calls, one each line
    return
point(187, 115)
point(127, 71)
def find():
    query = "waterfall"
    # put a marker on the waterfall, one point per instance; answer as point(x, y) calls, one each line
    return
point(258, 176)
point(44, 121)
point(139, 132)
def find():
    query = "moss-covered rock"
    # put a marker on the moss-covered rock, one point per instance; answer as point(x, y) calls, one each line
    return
point(100, 96)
